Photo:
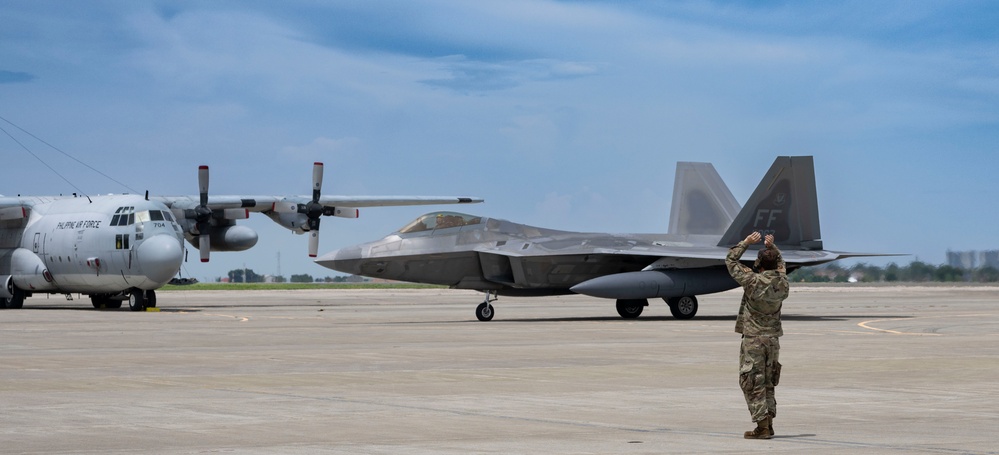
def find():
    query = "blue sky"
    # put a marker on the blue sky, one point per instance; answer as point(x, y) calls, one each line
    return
point(568, 115)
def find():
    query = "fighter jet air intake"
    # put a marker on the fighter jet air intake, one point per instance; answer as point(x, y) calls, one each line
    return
point(124, 247)
point(499, 257)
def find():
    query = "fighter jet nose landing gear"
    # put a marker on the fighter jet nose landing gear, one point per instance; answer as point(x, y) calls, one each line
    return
point(485, 310)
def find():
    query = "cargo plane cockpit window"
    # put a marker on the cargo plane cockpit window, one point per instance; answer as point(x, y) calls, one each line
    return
point(124, 216)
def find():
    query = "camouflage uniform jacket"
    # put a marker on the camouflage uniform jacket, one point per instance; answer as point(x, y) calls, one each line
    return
point(763, 293)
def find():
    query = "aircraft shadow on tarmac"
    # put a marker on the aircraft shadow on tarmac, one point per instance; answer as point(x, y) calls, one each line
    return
point(90, 308)
point(798, 318)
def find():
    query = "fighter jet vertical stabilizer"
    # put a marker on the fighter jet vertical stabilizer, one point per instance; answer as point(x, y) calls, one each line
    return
point(784, 205)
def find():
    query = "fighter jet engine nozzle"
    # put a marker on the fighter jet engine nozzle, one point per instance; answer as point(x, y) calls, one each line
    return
point(160, 257)
point(657, 283)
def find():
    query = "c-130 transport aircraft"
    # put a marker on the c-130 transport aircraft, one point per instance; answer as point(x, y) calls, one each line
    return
point(124, 247)
point(499, 257)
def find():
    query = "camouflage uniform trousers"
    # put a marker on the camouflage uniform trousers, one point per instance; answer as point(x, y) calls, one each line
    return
point(759, 373)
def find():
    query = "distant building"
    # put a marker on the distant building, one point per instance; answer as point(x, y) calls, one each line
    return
point(962, 260)
point(971, 260)
point(990, 259)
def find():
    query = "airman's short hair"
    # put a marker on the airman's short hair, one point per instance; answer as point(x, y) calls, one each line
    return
point(767, 259)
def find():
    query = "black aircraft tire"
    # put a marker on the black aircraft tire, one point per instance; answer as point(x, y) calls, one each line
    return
point(17, 301)
point(100, 301)
point(484, 312)
point(150, 299)
point(104, 302)
point(683, 307)
point(631, 308)
point(136, 300)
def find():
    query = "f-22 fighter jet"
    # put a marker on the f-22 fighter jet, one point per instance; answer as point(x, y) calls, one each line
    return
point(499, 257)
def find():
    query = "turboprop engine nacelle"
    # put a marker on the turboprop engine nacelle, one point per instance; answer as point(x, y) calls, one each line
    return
point(299, 222)
point(657, 283)
point(228, 238)
point(28, 271)
point(6, 286)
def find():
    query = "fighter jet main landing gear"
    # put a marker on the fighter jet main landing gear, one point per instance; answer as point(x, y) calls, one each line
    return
point(682, 307)
point(631, 308)
point(485, 310)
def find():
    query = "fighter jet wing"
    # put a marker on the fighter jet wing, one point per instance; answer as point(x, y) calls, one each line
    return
point(679, 254)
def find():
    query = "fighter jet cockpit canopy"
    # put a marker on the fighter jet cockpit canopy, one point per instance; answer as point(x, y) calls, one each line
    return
point(440, 220)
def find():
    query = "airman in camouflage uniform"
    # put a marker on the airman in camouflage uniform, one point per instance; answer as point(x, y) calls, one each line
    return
point(759, 324)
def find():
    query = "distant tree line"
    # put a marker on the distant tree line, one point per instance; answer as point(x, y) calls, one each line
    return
point(915, 272)
point(249, 276)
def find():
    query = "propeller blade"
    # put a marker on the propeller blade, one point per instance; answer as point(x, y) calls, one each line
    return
point(341, 212)
point(204, 246)
point(203, 184)
point(317, 180)
point(313, 243)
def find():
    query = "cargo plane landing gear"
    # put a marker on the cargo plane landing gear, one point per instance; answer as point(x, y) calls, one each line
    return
point(139, 300)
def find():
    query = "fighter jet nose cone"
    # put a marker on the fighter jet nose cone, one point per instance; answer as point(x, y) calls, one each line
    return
point(160, 257)
point(327, 257)
point(343, 260)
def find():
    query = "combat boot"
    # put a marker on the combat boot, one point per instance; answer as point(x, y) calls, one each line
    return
point(762, 430)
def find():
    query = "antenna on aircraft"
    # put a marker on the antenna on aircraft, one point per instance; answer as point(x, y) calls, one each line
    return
point(26, 149)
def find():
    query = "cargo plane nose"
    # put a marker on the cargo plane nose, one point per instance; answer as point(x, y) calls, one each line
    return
point(160, 257)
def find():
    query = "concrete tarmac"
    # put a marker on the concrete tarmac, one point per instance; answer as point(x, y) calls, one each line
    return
point(908, 370)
